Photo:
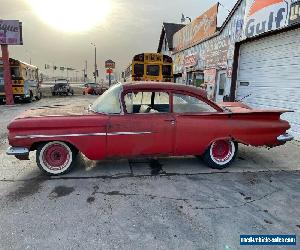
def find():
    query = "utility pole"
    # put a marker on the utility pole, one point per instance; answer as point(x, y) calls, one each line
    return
point(95, 71)
point(7, 75)
point(86, 72)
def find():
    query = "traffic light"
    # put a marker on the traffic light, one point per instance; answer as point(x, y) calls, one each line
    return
point(94, 74)
point(97, 72)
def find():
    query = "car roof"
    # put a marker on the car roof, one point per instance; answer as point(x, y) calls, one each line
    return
point(164, 86)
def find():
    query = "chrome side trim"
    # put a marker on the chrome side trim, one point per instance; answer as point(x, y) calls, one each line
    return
point(285, 137)
point(129, 133)
point(53, 136)
point(17, 151)
point(79, 135)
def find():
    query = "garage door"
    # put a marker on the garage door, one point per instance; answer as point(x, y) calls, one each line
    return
point(269, 75)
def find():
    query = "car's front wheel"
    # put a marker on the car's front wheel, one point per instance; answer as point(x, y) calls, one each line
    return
point(220, 154)
point(55, 158)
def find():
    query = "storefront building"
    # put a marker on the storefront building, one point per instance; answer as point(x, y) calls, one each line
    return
point(203, 53)
point(267, 60)
point(165, 45)
point(253, 57)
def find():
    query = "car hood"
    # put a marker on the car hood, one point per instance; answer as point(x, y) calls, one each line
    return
point(56, 111)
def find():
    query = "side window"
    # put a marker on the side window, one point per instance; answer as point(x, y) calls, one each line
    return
point(189, 104)
point(147, 102)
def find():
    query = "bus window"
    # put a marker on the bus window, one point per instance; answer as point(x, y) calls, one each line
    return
point(167, 70)
point(139, 70)
point(15, 73)
point(153, 70)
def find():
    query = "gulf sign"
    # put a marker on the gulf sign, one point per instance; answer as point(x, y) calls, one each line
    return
point(266, 15)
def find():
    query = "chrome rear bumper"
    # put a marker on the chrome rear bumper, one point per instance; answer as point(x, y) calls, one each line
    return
point(17, 151)
point(285, 137)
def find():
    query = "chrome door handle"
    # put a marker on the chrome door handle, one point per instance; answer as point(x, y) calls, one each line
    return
point(170, 120)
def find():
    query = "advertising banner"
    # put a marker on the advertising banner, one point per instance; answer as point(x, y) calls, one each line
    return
point(202, 27)
point(191, 60)
point(265, 15)
point(10, 32)
point(210, 76)
point(217, 52)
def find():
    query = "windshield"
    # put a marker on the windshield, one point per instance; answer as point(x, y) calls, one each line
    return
point(153, 70)
point(109, 102)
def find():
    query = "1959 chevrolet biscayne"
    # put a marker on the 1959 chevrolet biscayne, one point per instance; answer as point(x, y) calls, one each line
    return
point(144, 119)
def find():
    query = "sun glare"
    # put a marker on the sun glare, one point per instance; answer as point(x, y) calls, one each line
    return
point(72, 15)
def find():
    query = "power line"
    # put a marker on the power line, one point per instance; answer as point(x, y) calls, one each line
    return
point(225, 7)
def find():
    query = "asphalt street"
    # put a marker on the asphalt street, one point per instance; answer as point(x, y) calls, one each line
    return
point(164, 203)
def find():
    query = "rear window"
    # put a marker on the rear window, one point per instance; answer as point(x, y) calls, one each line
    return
point(189, 104)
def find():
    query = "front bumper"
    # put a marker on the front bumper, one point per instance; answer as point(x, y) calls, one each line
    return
point(19, 152)
point(285, 138)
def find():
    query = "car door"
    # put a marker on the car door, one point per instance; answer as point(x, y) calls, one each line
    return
point(195, 124)
point(144, 129)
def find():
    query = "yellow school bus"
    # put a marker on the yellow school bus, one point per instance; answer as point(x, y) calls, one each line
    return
point(150, 67)
point(25, 81)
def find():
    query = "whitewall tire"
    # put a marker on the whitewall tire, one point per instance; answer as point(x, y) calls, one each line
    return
point(55, 158)
point(220, 154)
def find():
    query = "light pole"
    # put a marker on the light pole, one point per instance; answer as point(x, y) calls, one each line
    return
point(95, 72)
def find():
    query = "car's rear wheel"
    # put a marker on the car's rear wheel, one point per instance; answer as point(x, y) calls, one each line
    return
point(220, 154)
point(55, 158)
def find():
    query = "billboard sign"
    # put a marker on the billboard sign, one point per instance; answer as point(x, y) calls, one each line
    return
point(263, 16)
point(11, 32)
point(201, 28)
point(110, 64)
point(191, 60)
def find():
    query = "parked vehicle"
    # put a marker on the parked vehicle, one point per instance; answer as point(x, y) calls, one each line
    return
point(144, 119)
point(93, 89)
point(62, 87)
point(149, 67)
point(26, 84)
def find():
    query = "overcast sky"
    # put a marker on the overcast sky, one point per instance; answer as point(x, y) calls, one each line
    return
point(131, 27)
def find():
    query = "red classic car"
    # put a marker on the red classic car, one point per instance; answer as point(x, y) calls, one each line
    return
point(93, 89)
point(144, 119)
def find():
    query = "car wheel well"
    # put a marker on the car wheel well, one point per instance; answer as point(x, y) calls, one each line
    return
point(35, 145)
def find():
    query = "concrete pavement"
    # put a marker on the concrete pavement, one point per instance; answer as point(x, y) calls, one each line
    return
point(165, 203)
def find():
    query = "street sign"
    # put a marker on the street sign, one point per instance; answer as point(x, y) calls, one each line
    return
point(109, 71)
point(110, 64)
point(11, 32)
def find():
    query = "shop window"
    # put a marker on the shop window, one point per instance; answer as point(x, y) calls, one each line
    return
point(199, 79)
point(189, 104)
point(222, 83)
